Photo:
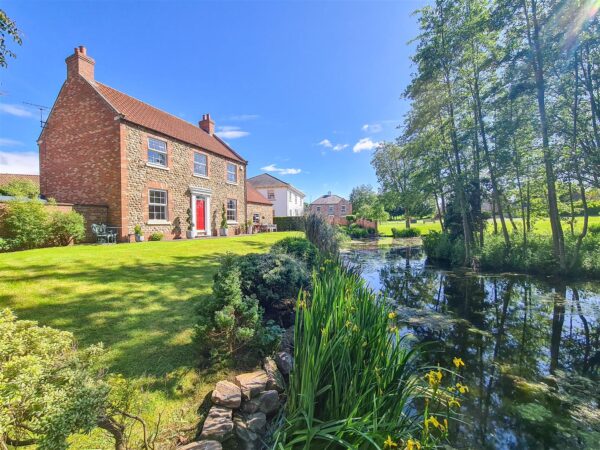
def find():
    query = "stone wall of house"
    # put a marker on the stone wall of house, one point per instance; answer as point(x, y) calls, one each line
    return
point(80, 150)
point(265, 213)
point(176, 179)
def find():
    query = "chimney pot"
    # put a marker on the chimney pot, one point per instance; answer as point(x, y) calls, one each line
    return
point(207, 124)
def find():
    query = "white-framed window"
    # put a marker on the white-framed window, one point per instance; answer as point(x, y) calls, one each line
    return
point(343, 209)
point(200, 164)
point(330, 209)
point(231, 173)
point(271, 194)
point(256, 218)
point(157, 152)
point(157, 204)
point(231, 210)
point(318, 209)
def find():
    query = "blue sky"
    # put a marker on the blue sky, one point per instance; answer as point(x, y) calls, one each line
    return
point(303, 90)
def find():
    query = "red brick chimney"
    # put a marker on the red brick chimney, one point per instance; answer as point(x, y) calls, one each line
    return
point(79, 63)
point(207, 124)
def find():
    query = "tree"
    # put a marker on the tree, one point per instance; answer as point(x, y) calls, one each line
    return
point(8, 31)
point(362, 195)
point(398, 176)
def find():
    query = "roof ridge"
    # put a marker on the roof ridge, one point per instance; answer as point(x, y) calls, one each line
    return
point(269, 175)
point(149, 105)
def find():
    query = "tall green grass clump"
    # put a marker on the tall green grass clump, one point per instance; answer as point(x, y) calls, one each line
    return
point(353, 376)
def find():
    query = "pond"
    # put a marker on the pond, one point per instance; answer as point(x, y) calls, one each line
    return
point(531, 347)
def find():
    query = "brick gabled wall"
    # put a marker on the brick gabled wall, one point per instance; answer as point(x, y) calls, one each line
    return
point(80, 150)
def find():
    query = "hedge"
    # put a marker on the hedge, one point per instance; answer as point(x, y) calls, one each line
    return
point(297, 223)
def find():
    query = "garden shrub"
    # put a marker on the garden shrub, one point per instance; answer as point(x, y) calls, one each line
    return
point(322, 235)
point(355, 231)
point(26, 224)
point(228, 321)
point(351, 218)
point(231, 320)
point(65, 228)
point(297, 223)
point(20, 188)
point(298, 247)
point(405, 232)
point(272, 278)
point(156, 237)
point(53, 390)
point(594, 229)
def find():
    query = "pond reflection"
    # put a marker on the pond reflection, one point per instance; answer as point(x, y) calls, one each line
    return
point(531, 347)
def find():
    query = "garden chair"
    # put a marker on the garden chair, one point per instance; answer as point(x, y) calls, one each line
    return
point(103, 234)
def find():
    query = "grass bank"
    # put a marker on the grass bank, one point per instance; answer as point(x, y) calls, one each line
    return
point(137, 299)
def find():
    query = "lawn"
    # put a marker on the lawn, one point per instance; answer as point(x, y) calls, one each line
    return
point(138, 300)
point(541, 226)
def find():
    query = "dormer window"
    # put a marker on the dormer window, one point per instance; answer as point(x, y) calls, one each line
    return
point(157, 152)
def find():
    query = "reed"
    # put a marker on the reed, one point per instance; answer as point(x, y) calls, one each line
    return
point(354, 378)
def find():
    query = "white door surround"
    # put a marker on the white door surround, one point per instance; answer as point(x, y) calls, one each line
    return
point(205, 194)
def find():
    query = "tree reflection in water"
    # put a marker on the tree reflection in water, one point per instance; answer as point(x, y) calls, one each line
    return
point(531, 347)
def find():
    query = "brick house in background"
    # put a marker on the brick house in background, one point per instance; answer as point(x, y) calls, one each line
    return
point(260, 209)
point(103, 147)
point(6, 178)
point(332, 206)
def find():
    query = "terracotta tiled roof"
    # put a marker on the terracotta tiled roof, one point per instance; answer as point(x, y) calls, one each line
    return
point(253, 196)
point(328, 200)
point(140, 113)
point(8, 177)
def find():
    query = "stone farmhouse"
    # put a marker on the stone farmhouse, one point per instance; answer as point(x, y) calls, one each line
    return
point(332, 206)
point(146, 167)
point(287, 200)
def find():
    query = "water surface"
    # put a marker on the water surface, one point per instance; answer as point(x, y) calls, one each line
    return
point(531, 347)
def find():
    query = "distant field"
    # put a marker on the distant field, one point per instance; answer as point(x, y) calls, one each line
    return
point(540, 226)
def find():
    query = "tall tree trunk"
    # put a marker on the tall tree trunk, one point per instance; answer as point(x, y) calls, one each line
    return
point(537, 60)
point(486, 150)
point(578, 171)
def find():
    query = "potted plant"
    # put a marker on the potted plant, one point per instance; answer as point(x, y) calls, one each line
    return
point(224, 226)
point(139, 237)
point(191, 231)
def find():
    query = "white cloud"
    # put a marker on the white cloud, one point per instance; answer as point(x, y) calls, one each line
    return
point(5, 142)
point(25, 162)
point(372, 128)
point(339, 147)
point(244, 117)
point(280, 170)
point(15, 110)
point(325, 143)
point(230, 132)
point(365, 144)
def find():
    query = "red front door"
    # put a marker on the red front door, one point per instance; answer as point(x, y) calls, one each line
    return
point(200, 214)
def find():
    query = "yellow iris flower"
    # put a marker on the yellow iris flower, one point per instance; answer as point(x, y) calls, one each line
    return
point(389, 443)
point(458, 362)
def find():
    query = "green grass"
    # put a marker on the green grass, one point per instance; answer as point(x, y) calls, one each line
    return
point(138, 300)
point(540, 226)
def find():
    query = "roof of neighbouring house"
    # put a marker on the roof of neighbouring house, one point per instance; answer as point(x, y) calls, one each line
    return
point(328, 199)
point(265, 180)
point(140, 113)
point(253, 196)
point(6, 178)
